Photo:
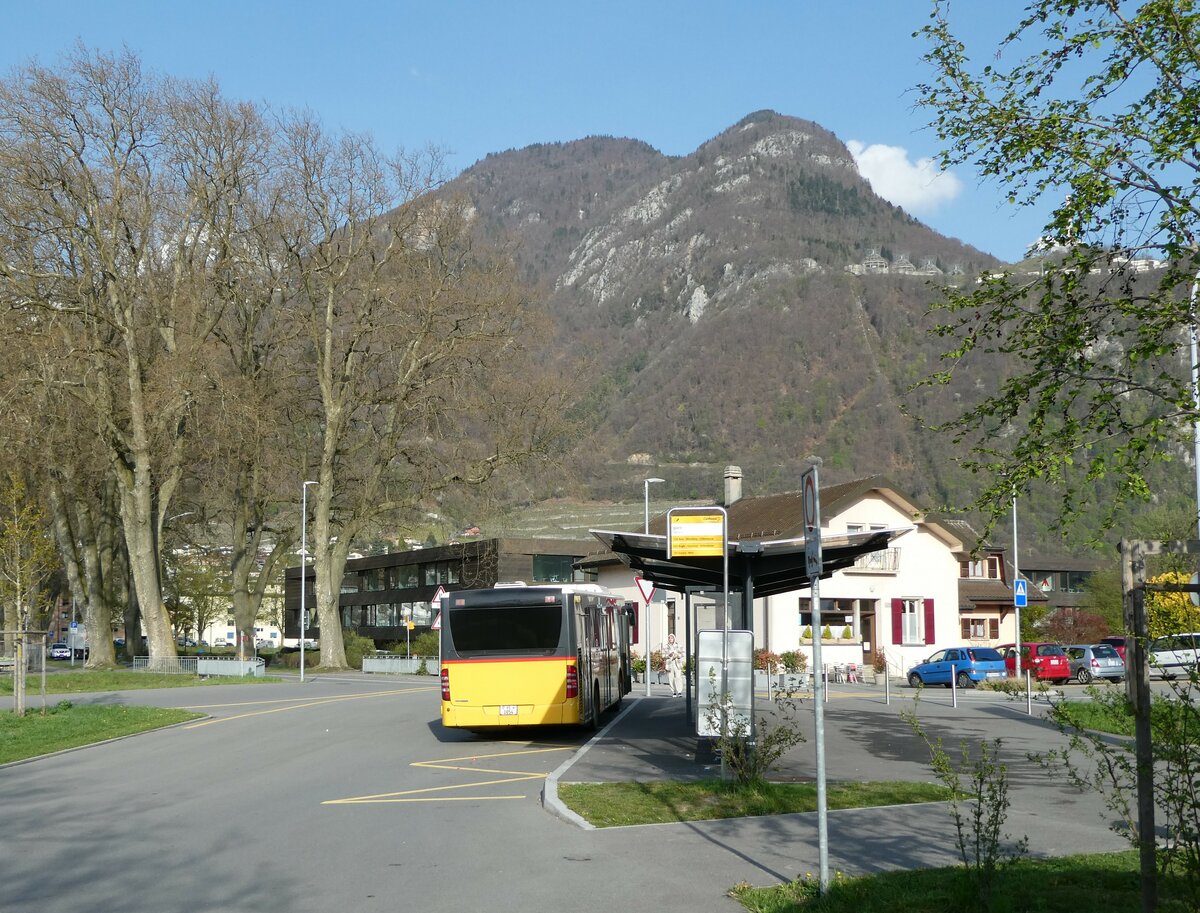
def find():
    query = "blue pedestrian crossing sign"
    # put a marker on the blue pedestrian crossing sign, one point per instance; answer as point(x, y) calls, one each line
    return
point(1020, 594)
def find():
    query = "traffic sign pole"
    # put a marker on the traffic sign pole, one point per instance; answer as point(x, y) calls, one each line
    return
point(646, 588)
point(813, 560)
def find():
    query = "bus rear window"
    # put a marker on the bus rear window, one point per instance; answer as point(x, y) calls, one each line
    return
point(506, 629)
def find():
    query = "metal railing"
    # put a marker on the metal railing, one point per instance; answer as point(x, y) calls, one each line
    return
point(400, 665)
point(202, 665)
point(886, 559)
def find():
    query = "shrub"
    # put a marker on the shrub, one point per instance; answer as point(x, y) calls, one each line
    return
point(979, 807)
point(847, 633)
point(1108, 766)
point(794, 662)
point(766, 661)
point(656, 661)
point(750, 760)
point(807, 632)
point(879, 662)
point(639, 665)
point(427, 643)
point(357, 647)
point(826, 633)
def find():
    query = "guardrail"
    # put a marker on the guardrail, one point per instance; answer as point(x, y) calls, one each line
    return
point(202, 665)
point(401, 665)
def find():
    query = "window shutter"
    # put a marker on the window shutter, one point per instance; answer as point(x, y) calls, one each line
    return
point(897, 621)
point(994, 628)
point(929, 633)
point(966, 629)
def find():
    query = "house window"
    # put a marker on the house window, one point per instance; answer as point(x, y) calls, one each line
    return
point(1077, 581)
point(553, 568)
point(980, 628)
point(439, 573)
point(912, 621)
point(980, 568)
point(836, 614)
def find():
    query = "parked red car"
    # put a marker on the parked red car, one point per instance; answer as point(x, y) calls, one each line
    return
point(1048, 662)
point(1118, 643)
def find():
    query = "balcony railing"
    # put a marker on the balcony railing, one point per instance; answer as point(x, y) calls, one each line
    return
point(885, 561)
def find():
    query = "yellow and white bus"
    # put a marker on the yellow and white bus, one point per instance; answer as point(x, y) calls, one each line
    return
point(533, 655)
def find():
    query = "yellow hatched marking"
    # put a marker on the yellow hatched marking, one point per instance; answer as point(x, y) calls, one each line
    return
point(293, 704)
point(438, 793)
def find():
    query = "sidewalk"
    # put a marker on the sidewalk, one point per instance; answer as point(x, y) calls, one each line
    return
point(865, 739)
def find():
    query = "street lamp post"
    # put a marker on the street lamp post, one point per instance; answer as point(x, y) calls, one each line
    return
point(1016, 577)
point(646, 483)
point(303, 566)
point(1195, 398)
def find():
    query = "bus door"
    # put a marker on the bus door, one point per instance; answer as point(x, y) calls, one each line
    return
point(626, 615)
point(584, 612)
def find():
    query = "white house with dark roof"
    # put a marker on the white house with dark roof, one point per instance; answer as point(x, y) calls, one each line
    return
point(923, 593)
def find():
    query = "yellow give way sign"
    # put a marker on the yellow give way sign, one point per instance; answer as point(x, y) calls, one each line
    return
point(696, 535)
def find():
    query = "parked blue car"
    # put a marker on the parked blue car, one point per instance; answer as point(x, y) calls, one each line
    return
point(971, 665)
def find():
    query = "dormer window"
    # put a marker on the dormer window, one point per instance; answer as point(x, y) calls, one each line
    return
point(987, 568)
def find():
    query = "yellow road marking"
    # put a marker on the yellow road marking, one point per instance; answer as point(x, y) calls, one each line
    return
point(423, 795)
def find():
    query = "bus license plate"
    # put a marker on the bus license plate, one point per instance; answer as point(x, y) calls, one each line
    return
point(508, 709)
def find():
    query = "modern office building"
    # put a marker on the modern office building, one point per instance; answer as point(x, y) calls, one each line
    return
point(381, 593)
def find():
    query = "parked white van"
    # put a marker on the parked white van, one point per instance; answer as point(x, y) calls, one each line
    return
point(1174, 654)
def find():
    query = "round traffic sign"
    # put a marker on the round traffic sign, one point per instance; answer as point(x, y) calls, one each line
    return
point(810, 502)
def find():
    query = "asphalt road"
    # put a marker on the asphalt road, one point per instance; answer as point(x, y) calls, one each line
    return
point(346, 794)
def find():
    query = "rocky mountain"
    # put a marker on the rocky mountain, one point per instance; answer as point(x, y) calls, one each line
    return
point(753, 302)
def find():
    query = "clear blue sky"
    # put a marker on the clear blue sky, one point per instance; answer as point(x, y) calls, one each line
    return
point(476, 77)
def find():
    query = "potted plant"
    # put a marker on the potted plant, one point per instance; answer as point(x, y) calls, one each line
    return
point(658, 665)
point(639, 667)
point(795, 664)
point(879, 664)
point(766, 664)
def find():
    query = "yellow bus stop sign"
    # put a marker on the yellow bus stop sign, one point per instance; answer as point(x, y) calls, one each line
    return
point(697, 535)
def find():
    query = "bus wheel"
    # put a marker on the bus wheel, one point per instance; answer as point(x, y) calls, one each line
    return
point(593, 722)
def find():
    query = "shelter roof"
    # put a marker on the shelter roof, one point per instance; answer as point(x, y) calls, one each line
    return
point(772, 566)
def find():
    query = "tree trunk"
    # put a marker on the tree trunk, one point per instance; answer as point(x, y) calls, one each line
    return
point(329, 562)
point(137, 517)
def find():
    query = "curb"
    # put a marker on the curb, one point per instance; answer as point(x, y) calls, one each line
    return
point(550, 800)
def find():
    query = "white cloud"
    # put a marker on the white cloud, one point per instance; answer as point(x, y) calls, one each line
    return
point(918, 187)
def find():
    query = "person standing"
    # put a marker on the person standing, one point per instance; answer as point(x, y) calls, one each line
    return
point(673, 659)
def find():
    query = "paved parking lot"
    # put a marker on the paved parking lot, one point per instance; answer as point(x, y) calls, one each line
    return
point(346, 793)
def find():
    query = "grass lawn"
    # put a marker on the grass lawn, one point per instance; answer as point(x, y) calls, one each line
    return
point(1168, 717)
point(70, 681)
point(68, 726)
point(1110, 880)
point(620, 804)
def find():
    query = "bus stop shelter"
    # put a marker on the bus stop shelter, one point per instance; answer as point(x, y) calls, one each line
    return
point(757, 567)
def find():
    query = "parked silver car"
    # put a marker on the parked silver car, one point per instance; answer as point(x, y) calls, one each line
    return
point(1092, 661)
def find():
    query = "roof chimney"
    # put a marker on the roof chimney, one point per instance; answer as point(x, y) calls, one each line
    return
point(733, 484)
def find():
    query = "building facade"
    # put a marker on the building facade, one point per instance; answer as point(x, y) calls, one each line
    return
point(380, 594)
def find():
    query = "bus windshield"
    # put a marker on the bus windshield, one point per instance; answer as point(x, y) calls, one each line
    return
point(507, 629)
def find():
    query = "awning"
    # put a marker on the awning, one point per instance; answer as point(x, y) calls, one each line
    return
point(772, 566)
